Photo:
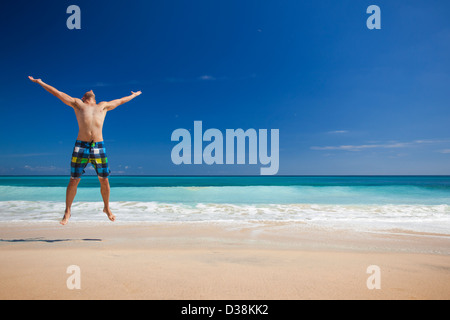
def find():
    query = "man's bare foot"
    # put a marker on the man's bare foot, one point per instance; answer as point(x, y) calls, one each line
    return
point(109, 214)
point(66, 218)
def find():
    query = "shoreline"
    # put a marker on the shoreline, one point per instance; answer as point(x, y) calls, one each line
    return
point(192, 261)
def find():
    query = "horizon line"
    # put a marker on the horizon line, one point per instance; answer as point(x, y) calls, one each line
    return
point(263, 176)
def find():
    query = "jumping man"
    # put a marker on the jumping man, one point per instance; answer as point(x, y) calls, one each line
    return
point(89, 147)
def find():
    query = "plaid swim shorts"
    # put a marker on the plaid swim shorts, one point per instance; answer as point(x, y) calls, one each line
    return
point(89, 152)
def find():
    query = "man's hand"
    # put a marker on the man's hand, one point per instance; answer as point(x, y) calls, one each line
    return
point(136, 93)
point(34, 80)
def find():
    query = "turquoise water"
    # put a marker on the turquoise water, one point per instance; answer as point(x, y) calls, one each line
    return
point(239, 190)
point(420, 203)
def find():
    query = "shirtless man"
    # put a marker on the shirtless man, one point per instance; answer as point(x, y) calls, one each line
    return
point(89, 147)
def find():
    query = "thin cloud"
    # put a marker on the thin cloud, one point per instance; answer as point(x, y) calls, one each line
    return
point(432, 141)
point(387, 145)
point(363, 146)
point(26, 155)
point(204, 77)
point(338, 131)
point(44, 169)
point(207, 78)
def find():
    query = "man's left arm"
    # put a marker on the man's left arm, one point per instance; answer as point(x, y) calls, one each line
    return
point(111, 105)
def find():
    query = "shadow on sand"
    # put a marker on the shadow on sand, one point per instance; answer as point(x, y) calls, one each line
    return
point(45, 240)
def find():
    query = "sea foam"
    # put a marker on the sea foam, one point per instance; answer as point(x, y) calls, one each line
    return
point(419, 218)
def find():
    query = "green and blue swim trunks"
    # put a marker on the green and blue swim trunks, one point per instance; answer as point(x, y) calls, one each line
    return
point(89, 152)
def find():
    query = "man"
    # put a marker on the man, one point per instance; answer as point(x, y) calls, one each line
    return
point(89, 146)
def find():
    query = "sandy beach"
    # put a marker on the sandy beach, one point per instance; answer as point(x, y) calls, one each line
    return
point(219, 261)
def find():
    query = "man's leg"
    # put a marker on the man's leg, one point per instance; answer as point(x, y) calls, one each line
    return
point(105, 190)
point(70, 195)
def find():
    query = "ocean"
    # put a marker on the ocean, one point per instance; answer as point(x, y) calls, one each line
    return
point(415, 203)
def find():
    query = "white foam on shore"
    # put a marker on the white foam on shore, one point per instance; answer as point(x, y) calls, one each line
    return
point(419, 218)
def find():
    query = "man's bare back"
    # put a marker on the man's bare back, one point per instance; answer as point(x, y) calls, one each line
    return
point(89, 146)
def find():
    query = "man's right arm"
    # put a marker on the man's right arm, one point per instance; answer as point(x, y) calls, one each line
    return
point(71, 102)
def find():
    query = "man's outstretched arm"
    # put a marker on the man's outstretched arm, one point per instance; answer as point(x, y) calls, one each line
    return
point(71, 102)
point(111, 105)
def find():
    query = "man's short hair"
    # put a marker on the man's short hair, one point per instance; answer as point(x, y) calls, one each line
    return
point(89, 95)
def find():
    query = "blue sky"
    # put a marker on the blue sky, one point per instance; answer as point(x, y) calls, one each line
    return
point(346, 99)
